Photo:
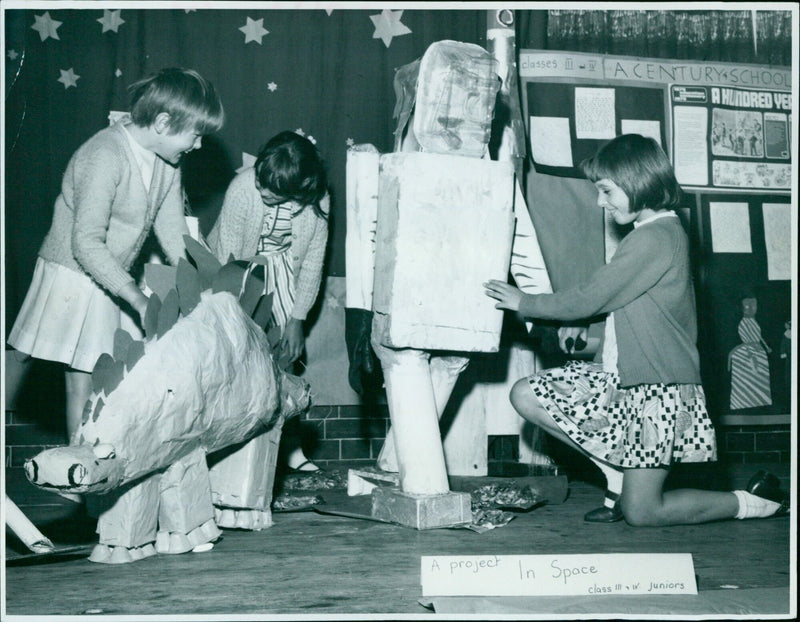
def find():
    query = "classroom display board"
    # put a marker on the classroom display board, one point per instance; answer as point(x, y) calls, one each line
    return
point(727, 130)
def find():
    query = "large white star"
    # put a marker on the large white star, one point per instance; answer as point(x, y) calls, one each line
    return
point(272, 86)
point(248, 161)
point(46, 26)
point(387, 25)
point(68, 78)
point(111, 20)
point(254, 30)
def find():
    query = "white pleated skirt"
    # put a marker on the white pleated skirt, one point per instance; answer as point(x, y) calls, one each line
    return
point(67, 317)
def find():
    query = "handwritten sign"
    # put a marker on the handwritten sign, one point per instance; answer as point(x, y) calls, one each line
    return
point(556, 575)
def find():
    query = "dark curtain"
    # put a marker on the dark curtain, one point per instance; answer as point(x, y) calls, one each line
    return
point(332, 78)
point(725, 36)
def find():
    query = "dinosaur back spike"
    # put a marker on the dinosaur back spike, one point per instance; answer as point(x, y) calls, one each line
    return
point(168, 313)
point(151, 316)
point(101, 371)
point(114, 376)
point(253, 290)
point(207, 265)
point(187, 281)
point(135, 352)
point(229, 278)
point(159, 278)
point(98, 407)
point(122, 341)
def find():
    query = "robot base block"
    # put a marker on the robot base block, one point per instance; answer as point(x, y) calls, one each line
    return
point(421, 511)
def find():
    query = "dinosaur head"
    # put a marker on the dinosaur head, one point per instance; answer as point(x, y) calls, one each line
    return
point(77, 468)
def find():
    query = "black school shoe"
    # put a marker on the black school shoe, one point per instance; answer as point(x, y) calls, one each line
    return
point(765, 485)
point(604, 515)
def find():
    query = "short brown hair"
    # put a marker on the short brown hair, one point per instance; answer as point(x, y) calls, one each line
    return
point(188, 98)
point(639, 166)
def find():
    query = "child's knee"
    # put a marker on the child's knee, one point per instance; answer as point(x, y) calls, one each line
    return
point(521, 396)
point(638, 514)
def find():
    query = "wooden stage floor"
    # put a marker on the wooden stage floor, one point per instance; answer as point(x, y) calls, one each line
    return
point(316, 565)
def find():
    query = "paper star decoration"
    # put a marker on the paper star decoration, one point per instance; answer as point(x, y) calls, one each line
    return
point(12, 54)
point(247, 162)
point(272, 86)
point(46, 26)
point(68, 78)
point(111, 20)
point(254, 30)
point(350, 142)
point(388, 25)
point(118, 72)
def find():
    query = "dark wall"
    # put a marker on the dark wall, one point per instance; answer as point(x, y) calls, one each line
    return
point(334, 80)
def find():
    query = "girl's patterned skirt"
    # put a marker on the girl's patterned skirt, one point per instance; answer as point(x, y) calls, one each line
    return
point(643, 426)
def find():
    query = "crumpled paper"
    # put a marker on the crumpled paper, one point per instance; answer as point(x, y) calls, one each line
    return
point(208, 382)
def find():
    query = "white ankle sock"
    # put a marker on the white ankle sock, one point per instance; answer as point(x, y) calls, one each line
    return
point(613, 482)
point(753, 506)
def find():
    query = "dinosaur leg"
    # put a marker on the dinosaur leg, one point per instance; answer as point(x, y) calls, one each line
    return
point(185, 513)
point(242, 481)
point(127, 520)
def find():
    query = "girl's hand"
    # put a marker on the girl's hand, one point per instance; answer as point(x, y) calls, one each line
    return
point(135, 297)
point(508, 296)
point(293, 341)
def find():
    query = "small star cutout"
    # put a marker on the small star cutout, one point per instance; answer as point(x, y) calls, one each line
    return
point(332, 301)
point(111, 20)
point(272, 86)
point(254, 30)
point(12, 54)
point(350, 142)
point(46, 26)
point(329, 11)
point(247, 162)
point(388, 25)
point(118, 72)
point(68, 78)
point(300, 131)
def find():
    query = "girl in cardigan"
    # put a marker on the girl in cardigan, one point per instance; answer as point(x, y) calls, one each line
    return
point(643, 408)
point(118, 185)
point(278, 210)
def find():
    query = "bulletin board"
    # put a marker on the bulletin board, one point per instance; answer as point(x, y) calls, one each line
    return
point(727, 130)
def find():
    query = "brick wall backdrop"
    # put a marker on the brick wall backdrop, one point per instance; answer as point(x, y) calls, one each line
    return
point(348, 436)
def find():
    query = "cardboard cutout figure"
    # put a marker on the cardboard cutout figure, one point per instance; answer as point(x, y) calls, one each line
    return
point(748, 363)
point(204, 379)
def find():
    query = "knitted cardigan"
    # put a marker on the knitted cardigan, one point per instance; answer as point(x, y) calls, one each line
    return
point(648, 286)
point(238, 229)
point(104, 213)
